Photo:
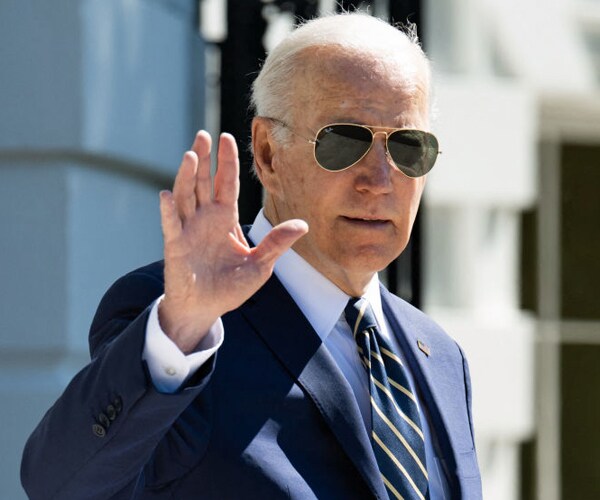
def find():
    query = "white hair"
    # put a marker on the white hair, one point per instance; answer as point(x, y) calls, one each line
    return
point(272, 91)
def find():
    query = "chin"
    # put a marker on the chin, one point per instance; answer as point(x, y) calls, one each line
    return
point(371, 258)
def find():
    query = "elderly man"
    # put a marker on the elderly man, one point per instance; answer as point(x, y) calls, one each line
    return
point(269, 362)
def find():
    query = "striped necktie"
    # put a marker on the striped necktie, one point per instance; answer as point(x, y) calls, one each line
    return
point(396, 436)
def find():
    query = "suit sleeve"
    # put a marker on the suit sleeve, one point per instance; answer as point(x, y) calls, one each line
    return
point(100, 436)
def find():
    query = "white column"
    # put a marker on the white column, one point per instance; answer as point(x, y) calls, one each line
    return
point(99, 99)
point(485, 176)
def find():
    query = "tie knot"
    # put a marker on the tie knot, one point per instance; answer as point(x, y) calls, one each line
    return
point(359, 315)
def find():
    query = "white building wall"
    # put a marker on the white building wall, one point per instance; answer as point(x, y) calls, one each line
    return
point(501, 66)
point(99, 99)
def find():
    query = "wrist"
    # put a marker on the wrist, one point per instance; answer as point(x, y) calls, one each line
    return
point(184, 329)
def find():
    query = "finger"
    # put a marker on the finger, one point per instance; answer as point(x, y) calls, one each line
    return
point(227, 178)
point(278, 240)
point(239, 234)
point(169, 218)
point(239, 242)
point(202, 146)
point(183, 188)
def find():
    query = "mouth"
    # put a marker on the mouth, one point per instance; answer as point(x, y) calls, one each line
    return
point(366, 221)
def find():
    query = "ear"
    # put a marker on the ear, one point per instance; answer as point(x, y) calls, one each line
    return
point(265, 151)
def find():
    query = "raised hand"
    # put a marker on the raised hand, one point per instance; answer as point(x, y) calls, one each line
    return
point(209, 267)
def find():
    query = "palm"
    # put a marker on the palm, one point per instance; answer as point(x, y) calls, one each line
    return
point(209, 267)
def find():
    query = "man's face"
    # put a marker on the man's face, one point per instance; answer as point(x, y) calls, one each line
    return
point(359, 219)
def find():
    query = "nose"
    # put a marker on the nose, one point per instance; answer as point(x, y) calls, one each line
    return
point(374, 172)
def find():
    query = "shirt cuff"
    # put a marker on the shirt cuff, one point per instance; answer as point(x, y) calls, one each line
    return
point(169, 367)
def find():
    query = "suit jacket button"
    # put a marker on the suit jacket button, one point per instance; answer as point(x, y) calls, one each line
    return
point(111, 412)
point(103, 419)
point(118, 404)
point(98, 430)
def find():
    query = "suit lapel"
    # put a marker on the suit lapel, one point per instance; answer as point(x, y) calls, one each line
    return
point(283, 327)
point(435, 362)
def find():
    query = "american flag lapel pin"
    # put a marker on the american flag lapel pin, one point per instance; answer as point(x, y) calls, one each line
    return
point(424, 348)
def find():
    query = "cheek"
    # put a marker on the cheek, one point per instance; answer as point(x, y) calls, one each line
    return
point(295, 194)
point(414, 190)
point(296, 188)
point(416, 200)
point(419, 192)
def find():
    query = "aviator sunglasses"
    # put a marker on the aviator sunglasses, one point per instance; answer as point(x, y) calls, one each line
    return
point(339, 146)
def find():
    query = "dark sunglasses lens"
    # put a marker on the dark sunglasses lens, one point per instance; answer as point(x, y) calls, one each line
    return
point(413, 151)
point(339, 146)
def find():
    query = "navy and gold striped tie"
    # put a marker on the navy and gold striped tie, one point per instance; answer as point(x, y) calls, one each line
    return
point(396, 435)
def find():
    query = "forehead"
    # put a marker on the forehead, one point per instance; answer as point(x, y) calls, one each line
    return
point(341, 85)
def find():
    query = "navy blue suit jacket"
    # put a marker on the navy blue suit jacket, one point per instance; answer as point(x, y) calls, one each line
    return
point(268, 417)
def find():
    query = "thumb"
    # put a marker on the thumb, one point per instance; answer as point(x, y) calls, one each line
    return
point(278, 240)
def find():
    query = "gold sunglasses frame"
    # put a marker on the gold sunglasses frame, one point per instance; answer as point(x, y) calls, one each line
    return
point(372, 129)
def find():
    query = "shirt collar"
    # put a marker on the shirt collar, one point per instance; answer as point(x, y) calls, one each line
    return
point(319, 299)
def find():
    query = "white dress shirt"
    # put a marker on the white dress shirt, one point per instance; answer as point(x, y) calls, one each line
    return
point(323, 304)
